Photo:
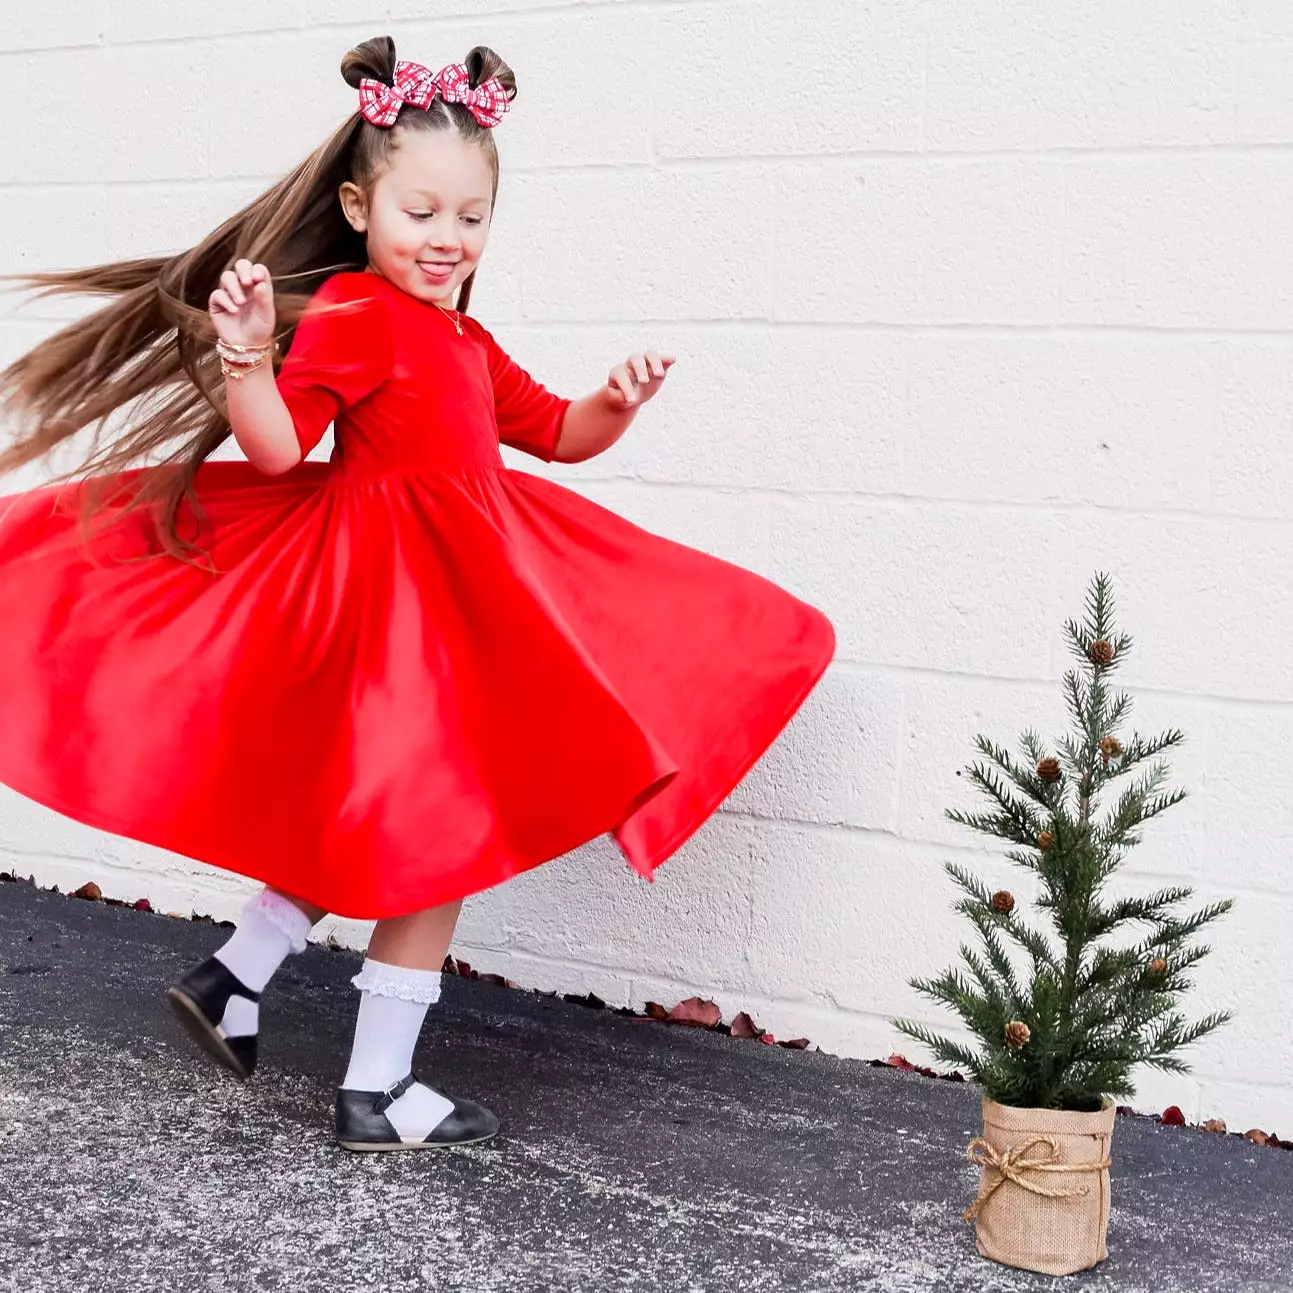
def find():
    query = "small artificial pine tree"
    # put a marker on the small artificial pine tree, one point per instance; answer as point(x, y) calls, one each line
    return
point(1069, 1032)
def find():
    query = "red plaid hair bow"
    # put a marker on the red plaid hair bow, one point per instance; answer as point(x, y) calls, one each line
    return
point(415, 84)
point(487, 102)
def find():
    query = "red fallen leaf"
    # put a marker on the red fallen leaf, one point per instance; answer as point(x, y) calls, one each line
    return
point(494, 978)
point(464, 969)
point(1257, 1136)
point(744, 1026)
point(796, 1044)
point(655, 1010)
point(768, 1039)
point(1276, 1143)
point(900, 1062)
point(143, 905)
point(695, 1012)
point(90, 891)
point(1172, 1117)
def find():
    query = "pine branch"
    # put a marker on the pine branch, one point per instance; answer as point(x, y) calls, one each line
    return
point(942, 1048)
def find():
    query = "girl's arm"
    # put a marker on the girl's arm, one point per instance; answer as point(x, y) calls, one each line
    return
point(261, 422)
point(242, 312)
point(594, 423)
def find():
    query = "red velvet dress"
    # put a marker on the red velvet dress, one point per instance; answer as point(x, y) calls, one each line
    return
point(418, 672)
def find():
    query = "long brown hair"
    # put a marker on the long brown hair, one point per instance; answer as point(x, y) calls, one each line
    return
point(154, 342)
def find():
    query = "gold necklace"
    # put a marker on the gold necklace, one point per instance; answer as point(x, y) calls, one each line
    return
point(450, 314)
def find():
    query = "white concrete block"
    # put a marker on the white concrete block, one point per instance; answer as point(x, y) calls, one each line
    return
point(845, 920)
point(691, 922)
point(904, 585)
point(1265, 111)
point(1263, 18)
point(1109, 421)
point(1246, 816)
point(837, 762)
point(599, 114)
point(776, 408)
point(1179, 583)
point(62, 226)
point(918, 242)
point(122, 114)
point(1252, 465)
point(150, 20)
point(53, 25)
point(646, 245)
point(290, 100)
point(1105, 74)
point(1180, 240)
point(773, 79)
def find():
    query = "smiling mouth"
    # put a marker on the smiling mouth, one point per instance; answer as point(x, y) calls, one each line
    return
point(438, 268)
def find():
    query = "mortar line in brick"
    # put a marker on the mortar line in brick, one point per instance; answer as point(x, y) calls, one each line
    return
point(1259, 704)
point(930, 849)
point(689, 986)
point(944, 504)
point(521, 16)
point(987, 331)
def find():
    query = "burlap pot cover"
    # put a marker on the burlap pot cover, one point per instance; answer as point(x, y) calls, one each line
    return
point(1043, 1200)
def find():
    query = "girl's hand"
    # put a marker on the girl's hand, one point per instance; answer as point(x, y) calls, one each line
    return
point(242, 307)
point(637, 379)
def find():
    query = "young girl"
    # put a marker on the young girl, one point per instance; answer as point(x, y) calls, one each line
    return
point(385, 682)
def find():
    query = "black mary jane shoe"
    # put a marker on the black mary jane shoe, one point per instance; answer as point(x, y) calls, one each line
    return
point(362, 1124)
point(199, 1000)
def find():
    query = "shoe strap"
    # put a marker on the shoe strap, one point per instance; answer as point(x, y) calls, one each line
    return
point(393, 1093)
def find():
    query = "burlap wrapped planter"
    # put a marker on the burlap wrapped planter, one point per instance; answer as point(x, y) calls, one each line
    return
point(1043, 1200)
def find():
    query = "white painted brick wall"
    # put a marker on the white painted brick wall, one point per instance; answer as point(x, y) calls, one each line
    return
point(970, 299)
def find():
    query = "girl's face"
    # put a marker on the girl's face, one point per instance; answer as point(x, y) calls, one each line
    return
point(426, 217)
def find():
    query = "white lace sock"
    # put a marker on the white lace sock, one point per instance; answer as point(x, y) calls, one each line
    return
point(392, 1008)
point(271, 929)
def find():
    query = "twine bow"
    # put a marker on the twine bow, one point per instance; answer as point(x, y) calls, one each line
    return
point(1019, 1159)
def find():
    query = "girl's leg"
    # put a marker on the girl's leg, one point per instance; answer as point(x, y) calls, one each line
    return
point(219, 1000)
point(381, 1104)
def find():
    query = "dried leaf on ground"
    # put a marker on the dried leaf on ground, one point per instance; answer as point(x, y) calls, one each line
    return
point(695, 1012)
point(655, 1010)
point(1172, 1117)
point(744, 1026)
point(1215, 1125)
point(90, 891)
point(142, 904)
point(1257, 1136)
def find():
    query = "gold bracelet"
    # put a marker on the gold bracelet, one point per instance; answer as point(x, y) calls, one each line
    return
point(238, 370)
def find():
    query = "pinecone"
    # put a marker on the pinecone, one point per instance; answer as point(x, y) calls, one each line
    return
point(1101, 651)
point(1003, 902)
point(1017, 1035)
point(1110, 748)
point(1158, 966)
point(1049, 769)
point(1046, 841)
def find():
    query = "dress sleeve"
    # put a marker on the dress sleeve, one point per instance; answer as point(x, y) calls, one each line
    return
point(342, 350)
point(529, 415)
